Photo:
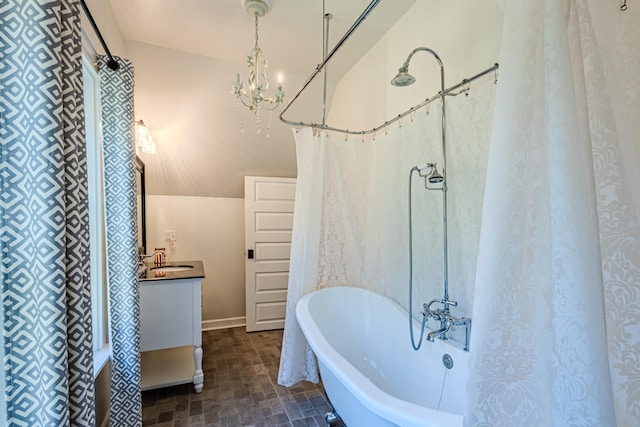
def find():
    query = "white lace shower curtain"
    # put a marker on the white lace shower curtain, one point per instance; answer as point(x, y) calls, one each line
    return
point(556, 335)
point(554, 289)
point(351, 214)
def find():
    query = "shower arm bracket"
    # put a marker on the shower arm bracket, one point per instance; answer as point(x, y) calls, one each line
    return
point(426, 186)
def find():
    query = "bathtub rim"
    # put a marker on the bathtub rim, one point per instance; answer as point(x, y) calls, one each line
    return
point(366, 392)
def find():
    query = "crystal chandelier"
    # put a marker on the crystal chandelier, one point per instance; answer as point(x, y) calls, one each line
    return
point(254, 95)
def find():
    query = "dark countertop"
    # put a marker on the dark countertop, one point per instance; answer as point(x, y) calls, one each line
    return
point(196, 272)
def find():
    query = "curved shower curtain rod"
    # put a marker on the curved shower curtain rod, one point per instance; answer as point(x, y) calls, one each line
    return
point(386, 124)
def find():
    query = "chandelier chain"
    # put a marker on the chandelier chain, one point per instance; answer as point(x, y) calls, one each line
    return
point(256, 31)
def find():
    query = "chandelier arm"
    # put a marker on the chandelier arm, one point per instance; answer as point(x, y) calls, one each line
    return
point(241, 99)
point(273, 103)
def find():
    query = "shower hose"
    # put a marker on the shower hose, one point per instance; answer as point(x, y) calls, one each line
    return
point(424, 318)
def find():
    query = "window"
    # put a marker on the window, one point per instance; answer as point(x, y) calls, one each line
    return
point(96, 216)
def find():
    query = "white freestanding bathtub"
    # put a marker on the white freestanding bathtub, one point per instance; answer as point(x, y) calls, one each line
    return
point(370, 372)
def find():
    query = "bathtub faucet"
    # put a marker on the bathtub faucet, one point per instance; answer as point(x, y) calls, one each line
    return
point(440, 333)
point(447, 320)
point(441, 315)
point(445, 302)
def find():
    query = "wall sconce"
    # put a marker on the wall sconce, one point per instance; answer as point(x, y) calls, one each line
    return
point(144, 140)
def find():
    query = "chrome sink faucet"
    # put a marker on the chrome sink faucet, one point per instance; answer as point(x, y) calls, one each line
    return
point(142, 257)
point(142, 269)
point(447, 320)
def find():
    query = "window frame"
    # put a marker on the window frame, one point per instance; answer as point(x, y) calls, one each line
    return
point(99, 311)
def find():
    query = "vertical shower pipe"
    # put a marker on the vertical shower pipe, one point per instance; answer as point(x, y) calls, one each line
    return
point(445, 300)
point(325, 41)
point(445, 184)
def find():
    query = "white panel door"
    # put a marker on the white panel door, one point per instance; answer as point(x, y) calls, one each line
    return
point(268, 207)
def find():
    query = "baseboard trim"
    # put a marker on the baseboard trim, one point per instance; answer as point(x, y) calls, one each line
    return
point(232, 322)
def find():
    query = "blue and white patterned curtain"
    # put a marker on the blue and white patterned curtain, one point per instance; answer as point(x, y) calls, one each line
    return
point(44, 227)
point(116, 89)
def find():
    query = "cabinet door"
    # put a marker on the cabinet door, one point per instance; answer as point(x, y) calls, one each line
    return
point(166, 314)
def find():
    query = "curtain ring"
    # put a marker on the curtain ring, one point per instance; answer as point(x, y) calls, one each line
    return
point(624, 5)
point(495, 76)
point(411, 114)
point(386, 128)
point(428, 106)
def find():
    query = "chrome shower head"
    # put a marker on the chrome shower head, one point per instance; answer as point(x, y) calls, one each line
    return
point(435, 177)
point(403, 78)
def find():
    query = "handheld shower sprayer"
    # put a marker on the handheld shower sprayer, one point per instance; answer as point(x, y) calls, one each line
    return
point(432, 176)
point(435, 177)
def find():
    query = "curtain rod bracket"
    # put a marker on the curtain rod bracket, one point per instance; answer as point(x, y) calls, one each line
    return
point(113, 64)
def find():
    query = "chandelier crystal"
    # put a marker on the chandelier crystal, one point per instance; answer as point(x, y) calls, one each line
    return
point(253, 95)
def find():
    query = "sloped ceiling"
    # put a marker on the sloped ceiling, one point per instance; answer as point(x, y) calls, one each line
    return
point(187, 53)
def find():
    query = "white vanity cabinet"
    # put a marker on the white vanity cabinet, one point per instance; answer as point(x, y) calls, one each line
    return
point(171, 332)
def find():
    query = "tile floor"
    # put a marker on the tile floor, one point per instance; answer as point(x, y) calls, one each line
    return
point(240, 388)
